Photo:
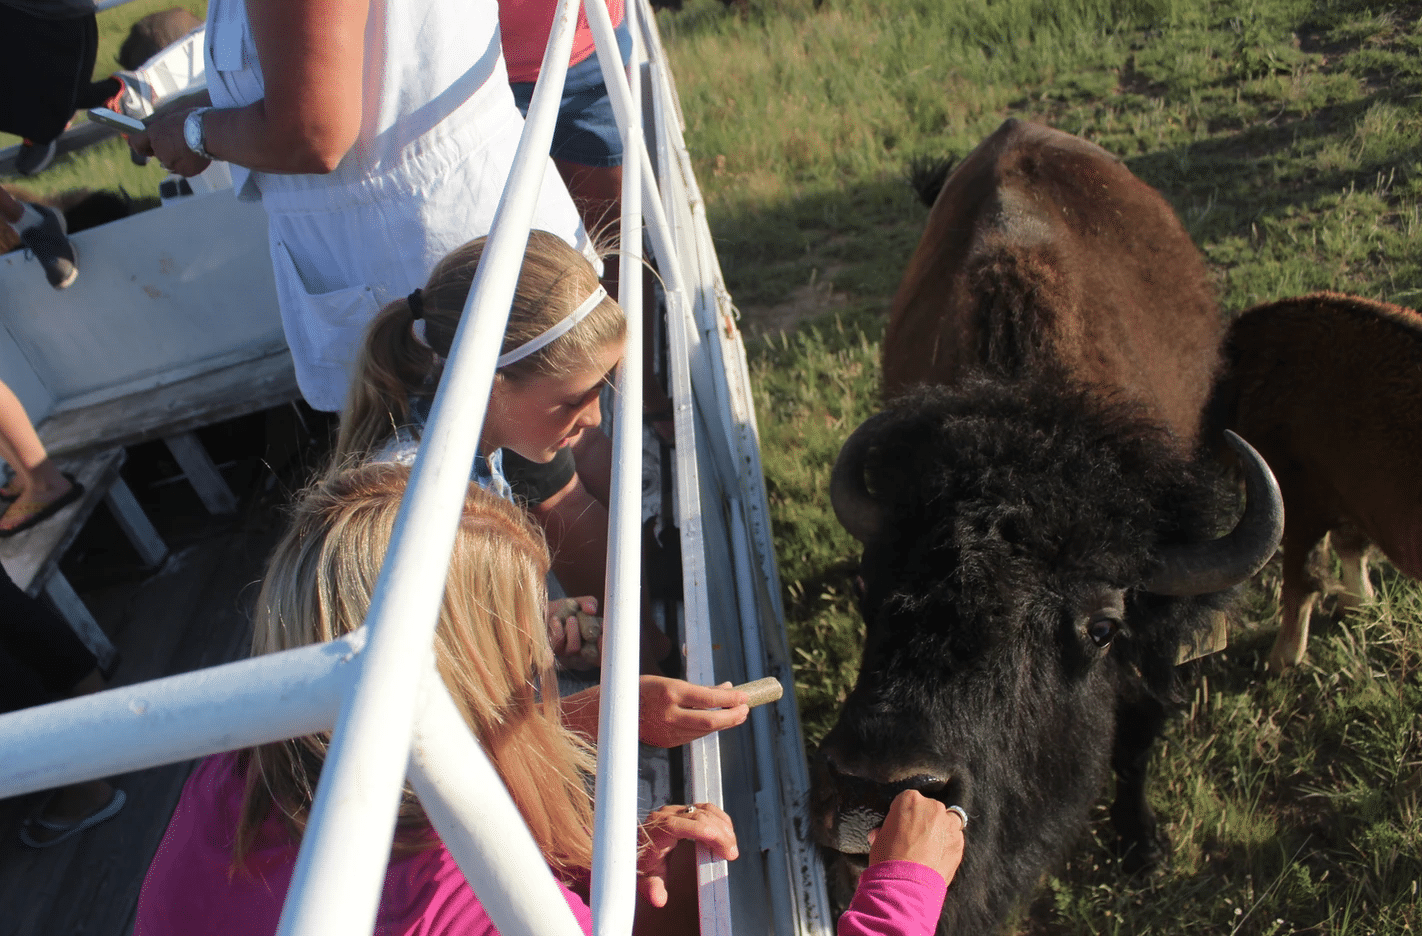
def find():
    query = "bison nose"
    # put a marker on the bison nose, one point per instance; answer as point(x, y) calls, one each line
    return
point(847, 803)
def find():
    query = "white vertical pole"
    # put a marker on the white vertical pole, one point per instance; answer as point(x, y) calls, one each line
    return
point(338, 878)
point(614, 872)
point(476, 818)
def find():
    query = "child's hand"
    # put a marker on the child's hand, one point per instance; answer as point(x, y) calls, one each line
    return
point(575, 634)
point(920, 830)
point(672, 712)
point(704, 823)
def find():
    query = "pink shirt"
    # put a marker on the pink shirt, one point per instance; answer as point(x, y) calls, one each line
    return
point(895, 898)
point(525, 25)
point(189, 888)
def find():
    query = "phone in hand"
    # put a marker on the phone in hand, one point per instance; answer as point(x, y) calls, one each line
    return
point(116, 120)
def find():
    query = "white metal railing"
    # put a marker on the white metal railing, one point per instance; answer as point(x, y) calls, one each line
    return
point(363, 686)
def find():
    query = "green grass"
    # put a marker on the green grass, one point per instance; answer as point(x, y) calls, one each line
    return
point(1288, 137)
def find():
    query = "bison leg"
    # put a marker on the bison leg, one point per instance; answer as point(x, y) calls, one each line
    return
point(1352, 549)
point(1141, 844)
point(1298, 594)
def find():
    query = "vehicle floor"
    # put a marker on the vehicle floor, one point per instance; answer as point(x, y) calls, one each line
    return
point(191, 613)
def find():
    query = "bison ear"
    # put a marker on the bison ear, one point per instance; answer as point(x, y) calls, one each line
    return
point(856, 509)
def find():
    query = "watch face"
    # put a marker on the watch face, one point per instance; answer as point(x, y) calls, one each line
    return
point(192, 132)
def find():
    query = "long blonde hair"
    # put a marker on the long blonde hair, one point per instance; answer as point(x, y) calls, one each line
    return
point(396, 365)
point(491, 648)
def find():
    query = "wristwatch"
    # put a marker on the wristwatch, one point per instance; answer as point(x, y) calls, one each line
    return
point(193, 134)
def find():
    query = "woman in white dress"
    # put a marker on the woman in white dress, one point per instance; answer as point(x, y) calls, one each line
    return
point(378, 136)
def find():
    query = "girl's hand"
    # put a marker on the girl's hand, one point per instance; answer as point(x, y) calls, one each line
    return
point(920, 830)
point(703, 823)
point(575, 634)
point(673, 712)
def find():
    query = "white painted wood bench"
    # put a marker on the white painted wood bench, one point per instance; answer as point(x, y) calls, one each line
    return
point(32, 558)
point(172, 325)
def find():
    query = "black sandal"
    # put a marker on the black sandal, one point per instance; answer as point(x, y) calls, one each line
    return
point(76, 491)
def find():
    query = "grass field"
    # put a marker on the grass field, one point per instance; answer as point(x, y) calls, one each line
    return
point(1288, 137)
point(1287, 134)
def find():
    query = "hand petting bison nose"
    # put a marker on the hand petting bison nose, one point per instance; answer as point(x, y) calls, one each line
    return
point(856, 805)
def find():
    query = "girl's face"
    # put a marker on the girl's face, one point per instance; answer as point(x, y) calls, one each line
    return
point(539, 415)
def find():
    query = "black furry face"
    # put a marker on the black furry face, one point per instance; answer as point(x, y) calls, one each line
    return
point(1003, 611)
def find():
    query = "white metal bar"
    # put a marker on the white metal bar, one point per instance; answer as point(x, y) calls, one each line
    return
point(614, 873)
point(469, 806)
point(337, 882)
point(222, 708)
point(768, 798)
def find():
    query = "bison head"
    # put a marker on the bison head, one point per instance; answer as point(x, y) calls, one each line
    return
point(1013, 533)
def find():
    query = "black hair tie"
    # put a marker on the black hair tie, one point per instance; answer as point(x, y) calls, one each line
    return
point(416, 301)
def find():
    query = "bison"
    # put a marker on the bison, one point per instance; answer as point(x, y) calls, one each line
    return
point(1028, 552)
point(1043, 249)
point(1037, 529)
point(1329, 387)
point(154, 33)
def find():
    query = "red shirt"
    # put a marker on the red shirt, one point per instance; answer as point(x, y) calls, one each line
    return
point(525, 25)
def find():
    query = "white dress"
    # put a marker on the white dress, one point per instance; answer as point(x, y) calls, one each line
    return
point(439, 130)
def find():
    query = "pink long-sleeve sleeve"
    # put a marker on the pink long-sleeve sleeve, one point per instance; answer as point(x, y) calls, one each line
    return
point(895, 898)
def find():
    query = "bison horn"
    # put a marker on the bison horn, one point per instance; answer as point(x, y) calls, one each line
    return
point(856, 508)
point(1200, 568)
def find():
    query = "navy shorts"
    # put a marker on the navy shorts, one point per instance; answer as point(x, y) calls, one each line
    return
point(586, 132)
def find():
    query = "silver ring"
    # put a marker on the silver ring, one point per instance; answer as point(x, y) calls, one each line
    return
point(689, 811)
point(962, 814)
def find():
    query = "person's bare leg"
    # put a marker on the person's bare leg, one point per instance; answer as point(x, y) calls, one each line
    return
point(597, 193)
point(10, 209)
point(39, 479)
point(69, 804)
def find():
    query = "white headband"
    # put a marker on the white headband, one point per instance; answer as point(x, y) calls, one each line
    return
point(554, 333)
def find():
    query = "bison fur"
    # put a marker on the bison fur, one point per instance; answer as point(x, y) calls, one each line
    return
point(1012, 656)
point(154, 33)
point(1329, 388)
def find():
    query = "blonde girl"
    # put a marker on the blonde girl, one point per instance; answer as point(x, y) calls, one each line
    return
point(226, 861)
point(540, 437)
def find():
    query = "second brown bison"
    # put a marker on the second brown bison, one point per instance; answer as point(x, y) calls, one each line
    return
point(1329, 389)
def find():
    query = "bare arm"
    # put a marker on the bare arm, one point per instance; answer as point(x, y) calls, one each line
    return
point(312, 54)
point(670, 712)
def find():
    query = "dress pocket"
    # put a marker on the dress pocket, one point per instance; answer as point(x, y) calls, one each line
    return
point(321, 328)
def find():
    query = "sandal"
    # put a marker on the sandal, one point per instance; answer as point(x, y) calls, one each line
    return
point(63, 831)
point(38, 513)
point(11, 491)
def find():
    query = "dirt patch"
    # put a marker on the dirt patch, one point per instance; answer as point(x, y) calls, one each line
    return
point(811, 300)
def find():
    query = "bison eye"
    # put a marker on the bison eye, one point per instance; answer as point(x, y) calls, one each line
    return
point(1102, 628)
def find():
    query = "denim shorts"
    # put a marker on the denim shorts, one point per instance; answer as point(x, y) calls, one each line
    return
point(586, 132)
